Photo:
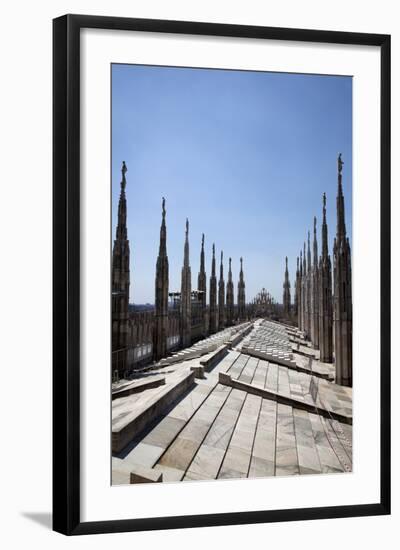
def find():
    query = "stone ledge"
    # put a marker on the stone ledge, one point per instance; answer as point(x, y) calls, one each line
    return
point(198, 371)
point(291, 364)
point(130, 426)
point(137, 386)
point(214, 358)
point(227, 380)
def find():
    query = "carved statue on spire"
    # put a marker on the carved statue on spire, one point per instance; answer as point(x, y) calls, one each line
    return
point(340, 163)
point(124, 170)
point(187, 226)
point(163, 207)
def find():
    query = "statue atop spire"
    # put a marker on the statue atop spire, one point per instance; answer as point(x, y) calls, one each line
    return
point(342, 292)
point(124, 170)
point(121, 281)
point(161, 293)
point(340, 163)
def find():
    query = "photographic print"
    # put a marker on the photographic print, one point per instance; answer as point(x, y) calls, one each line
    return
point(231, 283)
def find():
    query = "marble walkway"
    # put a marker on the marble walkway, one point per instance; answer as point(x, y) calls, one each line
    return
point(217, 432)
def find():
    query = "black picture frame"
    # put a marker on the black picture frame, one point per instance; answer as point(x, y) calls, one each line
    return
point(66, 273)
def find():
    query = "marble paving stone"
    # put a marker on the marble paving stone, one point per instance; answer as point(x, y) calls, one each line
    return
point(221, 431)
point(236, 460)
point(260, 467)
point(185, 408)
point(327, 456)
point(169, 474)
point(120, 477)
point(237, 368)
point(265, 438)
point(247, 373)
point(207, 462)
point(272, 377)
point(308, 471)
point(165, 431)
point(235, 400)
point(283, 381)
point(179, 454)
point(144, 455)
point(260, 374)
point(286, 460)
point(228, 473)
point(191, 476)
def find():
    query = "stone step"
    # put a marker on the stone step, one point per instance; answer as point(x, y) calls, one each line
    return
point(213, 358)
point(273, 357)
point(127, 426)
point(138, 386)
point(284, 397)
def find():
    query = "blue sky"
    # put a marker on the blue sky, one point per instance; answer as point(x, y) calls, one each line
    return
point(246, 156)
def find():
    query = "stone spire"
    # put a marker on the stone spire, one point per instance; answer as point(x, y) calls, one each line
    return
point(342, 291)
point(186, 293)
point(300, 294)
point(229, 296)
point(325, 294)
point(161, 294)
point(221, 295)
point(309, 271)
point(286, 292)
point(296, 296)
point(305, 293)
point(121, 280)
point(315, 292)
point(241, 294)
point(202, 285)
point(213, 295)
